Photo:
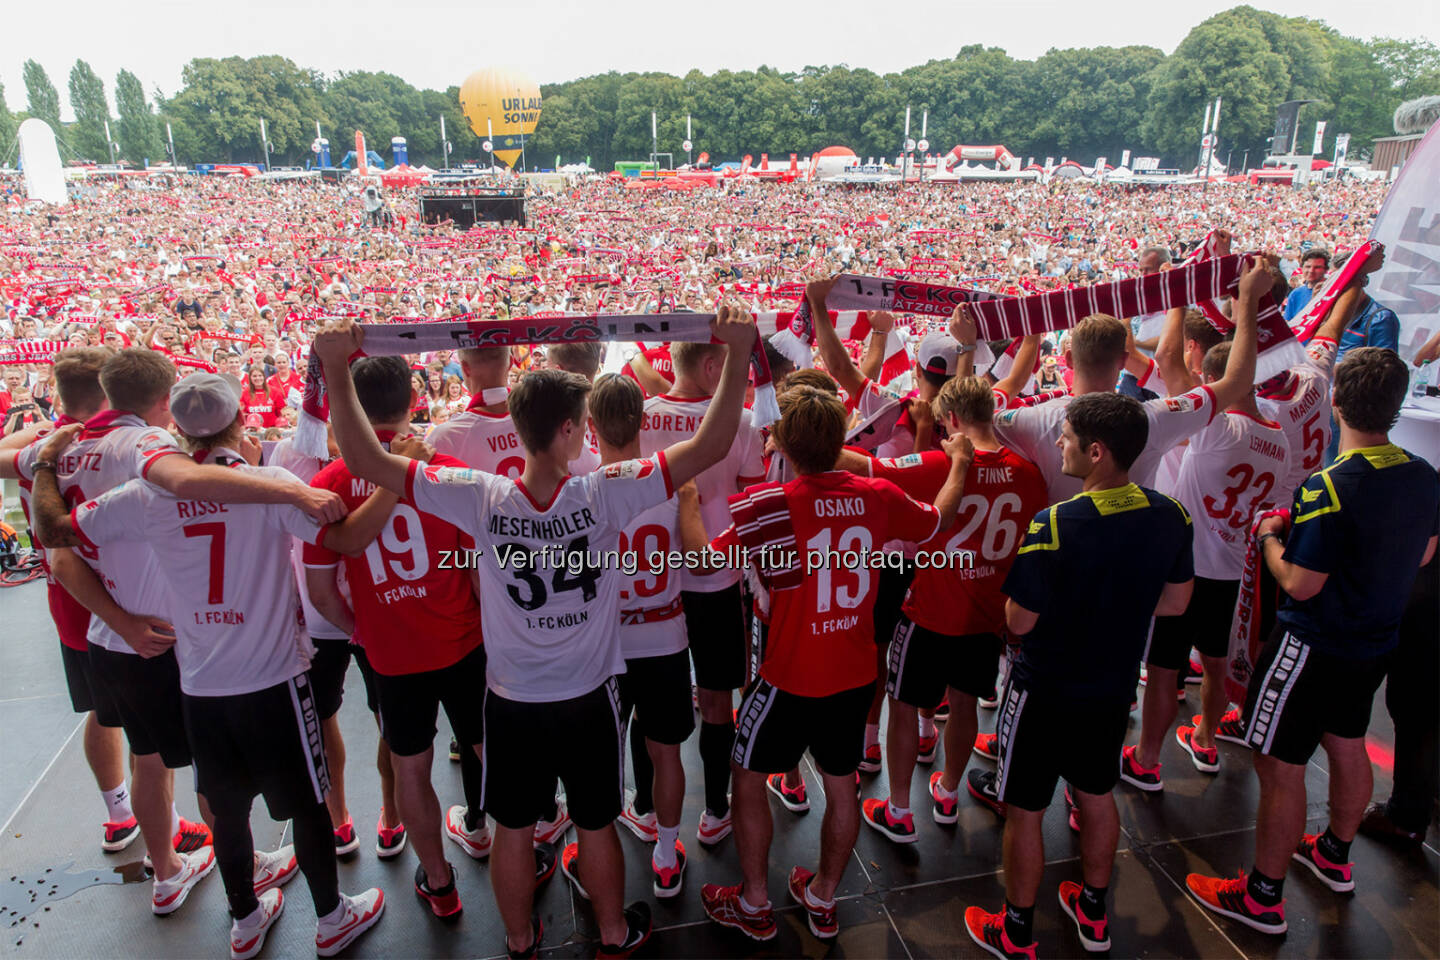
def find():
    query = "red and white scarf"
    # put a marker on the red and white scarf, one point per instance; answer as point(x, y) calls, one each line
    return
point(1246, 624)
point(1307, 321)
point(764, 528)
point(393, 339)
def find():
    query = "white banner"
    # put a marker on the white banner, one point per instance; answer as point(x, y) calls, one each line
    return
point(1342, 149)
point(44, 179)
point(1409, 226)
point(1319, 137)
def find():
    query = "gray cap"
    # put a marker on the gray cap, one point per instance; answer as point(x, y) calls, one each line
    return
point(203, 404)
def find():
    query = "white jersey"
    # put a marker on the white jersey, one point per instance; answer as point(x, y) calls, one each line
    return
point(1302, 408)
point(652, 620)
point(1032, 432)
point(1231, 471)
point(238, 625)
point(548, 573)
point(113, 448)
point(285, 456)
point(670, 420)
point(485, 441)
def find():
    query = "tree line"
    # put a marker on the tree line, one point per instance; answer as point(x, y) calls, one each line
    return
point(1081, 103)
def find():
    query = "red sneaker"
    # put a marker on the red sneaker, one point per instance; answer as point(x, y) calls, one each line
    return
point(1206, 759)
point(1143, 778)
point(1231, 727)
point(984, 786)
point(390, 841)
point(444, 901)
point(944, 808)
point(988, 930)
point(120, 835)
point(987, 745)
point(821, 917)
point(876, 813)
point(191, 837)
point(928, 745)
point(346, 840)
point(1336, 876)
point(871, 763)
point(668, 879)
point(794, 800)
point(1094, 934)
point(722, 904)
point(1231, 898)
point(570, 867)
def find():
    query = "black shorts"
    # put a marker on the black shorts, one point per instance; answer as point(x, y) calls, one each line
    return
point(410, 704)
point(146, 695)
point(268, 742)
point(1038, 744)
point(891, 587)
point(715, 626)
point(367, 674)
point(658, 690)
point(923, 663)
point(86, 694)
point(1205, 625)
point(776, 727)
point(1298, 694)
point(327, 673)
point(531, 744)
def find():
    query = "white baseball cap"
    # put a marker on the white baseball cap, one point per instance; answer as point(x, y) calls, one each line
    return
point(938, 353)
point(204, 404)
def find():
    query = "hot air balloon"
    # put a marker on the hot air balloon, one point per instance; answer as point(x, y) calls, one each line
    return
point(502, 105)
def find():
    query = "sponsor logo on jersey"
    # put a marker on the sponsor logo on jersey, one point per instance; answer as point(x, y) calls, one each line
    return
point(1181, 404)
point(1007, 418)
point(629, 470)
point(453, 476)
point(909, 460)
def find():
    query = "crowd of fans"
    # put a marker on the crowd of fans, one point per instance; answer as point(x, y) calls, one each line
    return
point(1135, 465)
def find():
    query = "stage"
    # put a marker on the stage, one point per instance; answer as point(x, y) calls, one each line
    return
point(63, 897)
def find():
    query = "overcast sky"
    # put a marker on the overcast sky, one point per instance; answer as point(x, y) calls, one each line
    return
point(436, 43)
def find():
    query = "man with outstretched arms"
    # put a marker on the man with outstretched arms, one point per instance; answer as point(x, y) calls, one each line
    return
point(545, 556)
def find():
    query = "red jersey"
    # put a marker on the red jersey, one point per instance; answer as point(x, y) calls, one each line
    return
point(959, 572)
point(415, 607)
point(262, 403)
point(822, 636)
point(660, 362)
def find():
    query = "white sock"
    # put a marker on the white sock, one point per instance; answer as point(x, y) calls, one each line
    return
point(745, 905)
point(666, 838)
point(117, 802)
point(174, 820)
point(872, 735)
point(897, 813)
point(927, 726)
point(254, 919)
point(336, 914)
point(948, 794)
point(815, 901)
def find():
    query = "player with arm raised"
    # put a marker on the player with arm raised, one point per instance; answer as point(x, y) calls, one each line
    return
point(552, 627)
point(248, 707)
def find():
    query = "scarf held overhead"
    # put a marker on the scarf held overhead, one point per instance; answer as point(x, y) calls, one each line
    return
point(393, 339)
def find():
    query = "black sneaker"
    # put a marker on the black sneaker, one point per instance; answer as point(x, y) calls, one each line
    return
point(444, 901)
point(637, 923)
point(984, 786)
point(534, 950)
point(545, 858)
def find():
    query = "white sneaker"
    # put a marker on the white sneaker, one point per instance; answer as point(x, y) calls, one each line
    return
point(550, 831)
point(169, 894)
point(353, 917)
point(275, 869)
point(712, 829)
point(643, 825)
point(248, 936)
point(475, 842)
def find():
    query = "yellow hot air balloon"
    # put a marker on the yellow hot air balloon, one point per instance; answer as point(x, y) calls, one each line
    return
point(502, 104)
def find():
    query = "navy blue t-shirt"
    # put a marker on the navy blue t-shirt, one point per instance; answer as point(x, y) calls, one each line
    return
point(1093, 567)
point(1366, 521)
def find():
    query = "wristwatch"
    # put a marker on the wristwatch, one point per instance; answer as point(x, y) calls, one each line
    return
point(42, 465)
point(1266, 536)
point(965, 348)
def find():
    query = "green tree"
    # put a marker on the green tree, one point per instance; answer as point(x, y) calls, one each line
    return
point(139, 132)
point(223, 101)
point(87, 100)
point(1413, 66)
point(42, 100)
point(7, 128)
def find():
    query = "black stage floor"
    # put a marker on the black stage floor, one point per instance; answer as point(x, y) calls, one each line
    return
point(896, 901)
